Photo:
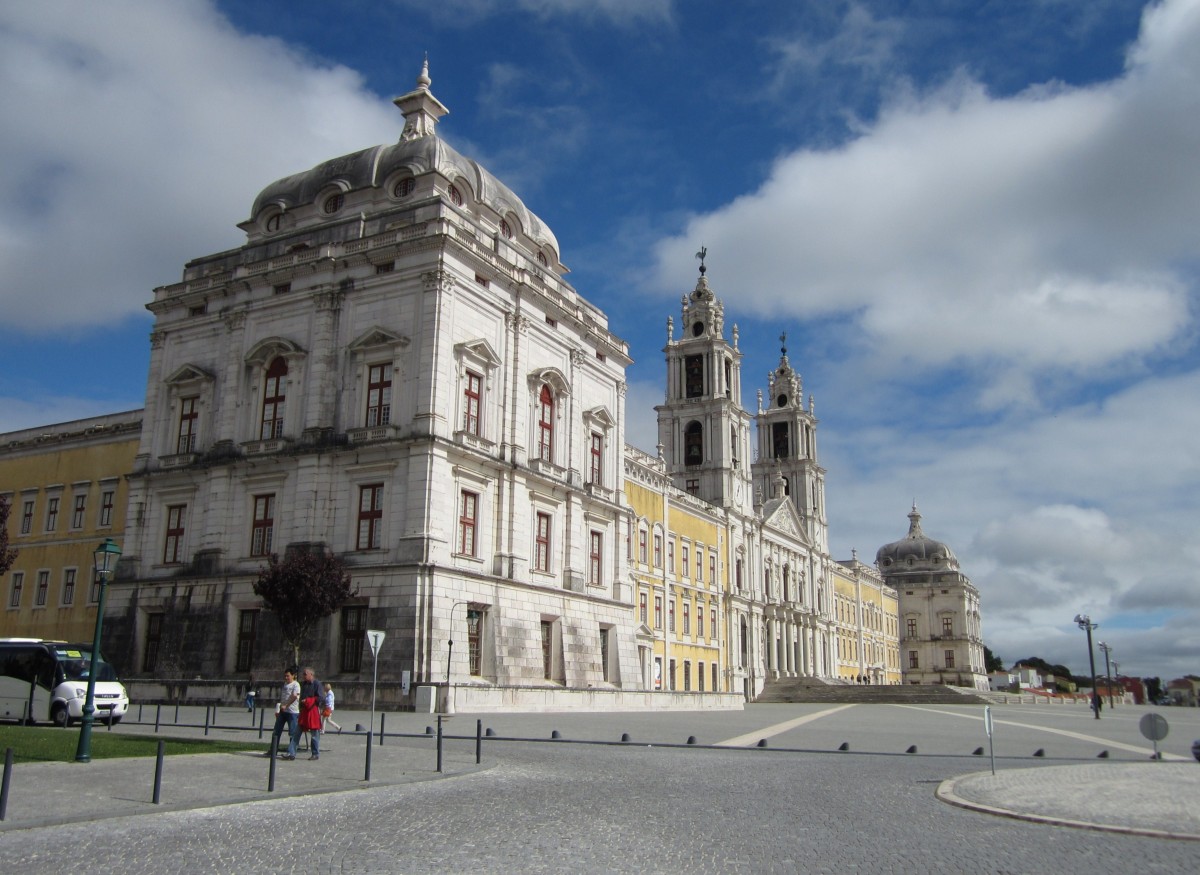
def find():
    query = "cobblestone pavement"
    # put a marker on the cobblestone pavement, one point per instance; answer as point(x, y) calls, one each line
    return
point(630, 808)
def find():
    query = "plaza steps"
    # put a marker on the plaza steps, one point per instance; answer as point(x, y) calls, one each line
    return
point(816, 690)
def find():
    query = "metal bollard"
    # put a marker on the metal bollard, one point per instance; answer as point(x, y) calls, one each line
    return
point(176, 713)
point(271, 770)
point(8, 761)
point(206, 708)
point(478, 741)
point(262, 713)
point(382, 721)
point(158, 770)
point(439, 744)
point(157, 718)
point(367, 772)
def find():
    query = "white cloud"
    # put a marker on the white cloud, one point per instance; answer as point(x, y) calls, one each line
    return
point(142, 128)
point(1051, 230)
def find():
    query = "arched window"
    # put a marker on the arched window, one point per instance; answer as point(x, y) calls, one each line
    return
point(505, 229)
point(455, 196)
point(546, 424)
point(693, 443)
point(274, 395)
point(404, 187)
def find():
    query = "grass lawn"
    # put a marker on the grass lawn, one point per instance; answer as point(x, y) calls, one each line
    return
point(34, 744)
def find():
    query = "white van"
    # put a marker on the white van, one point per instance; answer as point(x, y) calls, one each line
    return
point(47, 680)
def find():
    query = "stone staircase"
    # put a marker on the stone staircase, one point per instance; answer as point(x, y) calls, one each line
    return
point(816, 690)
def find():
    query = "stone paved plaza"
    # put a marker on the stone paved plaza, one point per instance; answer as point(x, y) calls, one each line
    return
point(646, 806)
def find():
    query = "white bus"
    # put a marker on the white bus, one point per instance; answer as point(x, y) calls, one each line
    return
point(47, 680)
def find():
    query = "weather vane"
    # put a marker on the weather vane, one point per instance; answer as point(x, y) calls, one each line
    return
point(701, 255)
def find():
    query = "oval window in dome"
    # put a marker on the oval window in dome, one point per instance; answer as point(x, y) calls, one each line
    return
point(506, 229)
point(333, 203)
point(455, 196)
point(697, 329)
point(404, 187)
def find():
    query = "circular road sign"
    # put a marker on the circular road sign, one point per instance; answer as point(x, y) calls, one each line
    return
point(1153, 726)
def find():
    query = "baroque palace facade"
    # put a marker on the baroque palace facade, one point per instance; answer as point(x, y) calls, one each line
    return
point(392, 368)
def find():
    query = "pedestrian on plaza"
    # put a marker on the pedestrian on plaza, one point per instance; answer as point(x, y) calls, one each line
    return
point(311, 698)
point(327, 710)
point(287, 713)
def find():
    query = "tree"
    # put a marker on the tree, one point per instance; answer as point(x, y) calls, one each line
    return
point(991, 662)
point(301, 589)
point(7, 555)
point(1153, 689)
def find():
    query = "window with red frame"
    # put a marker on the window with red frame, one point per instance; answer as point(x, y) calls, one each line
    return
point(472, 402)
point(379, 395)
point(262, 533)
point(106, 507)
point(189, 417)
point(78, 511)
point(370, 516)
point(468, 514)
point(274, 396)
point(597, 459)
point(546, 425)
point(596, 566)
point(173, 544)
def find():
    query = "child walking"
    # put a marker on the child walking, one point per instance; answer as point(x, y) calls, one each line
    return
point(327, 710)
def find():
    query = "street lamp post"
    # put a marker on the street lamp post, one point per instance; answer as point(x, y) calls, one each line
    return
point(106, 556)
point(1084, 622)
point(1107, 671)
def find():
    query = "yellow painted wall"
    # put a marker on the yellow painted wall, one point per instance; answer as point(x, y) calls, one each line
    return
point(84, 458)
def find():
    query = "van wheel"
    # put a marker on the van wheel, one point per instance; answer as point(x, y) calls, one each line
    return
point(59, 716)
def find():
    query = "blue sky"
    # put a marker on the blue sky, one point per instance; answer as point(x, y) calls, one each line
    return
point(978, 224)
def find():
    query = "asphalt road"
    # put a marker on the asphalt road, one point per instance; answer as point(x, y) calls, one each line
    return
point(656, 804)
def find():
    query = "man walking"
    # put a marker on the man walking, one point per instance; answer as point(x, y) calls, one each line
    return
point(311, 697)
point(286, 714)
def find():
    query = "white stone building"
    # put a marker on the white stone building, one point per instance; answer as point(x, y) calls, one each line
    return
point(941, 639)
point(392, 368)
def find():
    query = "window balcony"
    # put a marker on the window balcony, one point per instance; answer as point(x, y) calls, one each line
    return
point(474, 441)
point(262, 448)
point(371, 434)
point(178, 460)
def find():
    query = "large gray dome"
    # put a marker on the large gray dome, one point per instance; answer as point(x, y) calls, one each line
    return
point(915, 550)
point(420, 150)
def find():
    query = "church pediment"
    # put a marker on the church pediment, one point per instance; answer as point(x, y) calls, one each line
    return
point(553, 377)
point(781, 515)
point(600, 416)
point(267, 349)
point(479, 350)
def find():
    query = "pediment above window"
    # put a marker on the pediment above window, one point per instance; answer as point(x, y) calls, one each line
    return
point(263, 352)
point(189, 374)
point(479, 350)
point(377, 337)
point(599, 417)
point(551, 377)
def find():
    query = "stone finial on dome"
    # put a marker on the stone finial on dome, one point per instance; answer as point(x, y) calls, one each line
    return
point(421, 109)
point(914, 523)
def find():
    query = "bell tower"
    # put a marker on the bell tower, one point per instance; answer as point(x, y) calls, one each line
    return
point(787, 447)
point(703, 431)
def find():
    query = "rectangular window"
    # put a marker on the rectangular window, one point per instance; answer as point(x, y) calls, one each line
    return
point(670, 614)
point(671, 556)
point(14, 594)
point(604, 654)
point(699, 565)
point(545, 439)
point(547, 649)
point(949, 659)
point(43, 589)
point(687, 675)
point(700, 677)
point(779, 440)
point(715, 685)
point(247, 632)
point(642, 546)
point(712, 568)
point(671, 675)
point(472, 403)
point(173, 543)
point(354, 626)
point(687, 619)
point(77, 512)
point(700, 622)
point(467, 518)
point(657, 551)
point(913, 662)
point(684, 557)
point(642, 607)
point(94, 590)
point(154, 624)
point(68, 588)
point(27, 518)
point(370, 516)
point(738, 574)
point(475, 642)
point(597, 459)
point(541, 558)
point(911, 625)
point(262, 535)
point(948, 626)
point(52, 514)
point(188, 421)
point(379, 395)
point(693, 487)
point(595, 563)
point(274, 398)
point(106, 508)
point(712, 627)
point(658, 612)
